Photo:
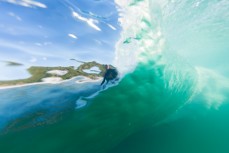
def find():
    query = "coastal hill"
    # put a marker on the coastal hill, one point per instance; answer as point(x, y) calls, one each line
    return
point(43, 74)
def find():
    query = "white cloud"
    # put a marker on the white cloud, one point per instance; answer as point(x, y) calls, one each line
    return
point(112, 27)
point(28, 49)
point(43, 44)
point(26, 3)
point(72, 36)
point(38, 44)
point(33, 60)
point(15, 16)
point(47, 43)
point(98, 42)
point(20, 30)
point(44, 58)
point(90, 22)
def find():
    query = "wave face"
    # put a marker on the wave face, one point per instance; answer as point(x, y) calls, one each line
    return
point(189, 37)
point(187, 42)
point(172, 56)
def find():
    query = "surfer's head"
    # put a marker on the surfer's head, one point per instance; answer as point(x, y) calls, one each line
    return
point(107, 66)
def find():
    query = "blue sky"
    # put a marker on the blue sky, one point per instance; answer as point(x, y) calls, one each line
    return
point(50, 32)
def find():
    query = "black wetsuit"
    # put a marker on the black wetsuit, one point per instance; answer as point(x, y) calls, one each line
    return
point(110, 74)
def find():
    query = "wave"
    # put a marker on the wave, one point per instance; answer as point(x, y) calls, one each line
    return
point(187, 38)
point(155, 80)
point(171, 53)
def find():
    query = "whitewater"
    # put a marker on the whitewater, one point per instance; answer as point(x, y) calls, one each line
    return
point(172, 56)
point(185, 35)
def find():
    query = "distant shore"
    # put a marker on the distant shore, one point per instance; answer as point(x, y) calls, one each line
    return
point(83, 80)
point(54, 75)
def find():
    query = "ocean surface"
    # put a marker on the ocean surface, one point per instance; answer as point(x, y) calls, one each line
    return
point(172, 96)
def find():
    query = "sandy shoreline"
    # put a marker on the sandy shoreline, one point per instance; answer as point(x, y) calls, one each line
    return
point(58, 72)
point(82, 79)
point(86, 79)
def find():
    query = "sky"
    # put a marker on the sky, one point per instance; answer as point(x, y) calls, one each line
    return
point(50, 32)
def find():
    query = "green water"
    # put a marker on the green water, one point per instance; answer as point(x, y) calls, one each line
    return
point(195, 133)
point(111, 116)
point(173, 97)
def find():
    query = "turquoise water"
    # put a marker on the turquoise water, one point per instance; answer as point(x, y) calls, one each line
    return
point(173, 95)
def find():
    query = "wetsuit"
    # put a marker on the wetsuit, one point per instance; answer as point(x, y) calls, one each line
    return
point(109, 75)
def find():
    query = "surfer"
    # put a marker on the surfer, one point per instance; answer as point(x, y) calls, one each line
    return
point(110, 75)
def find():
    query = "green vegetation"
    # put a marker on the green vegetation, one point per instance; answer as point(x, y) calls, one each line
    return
point(38, 73)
